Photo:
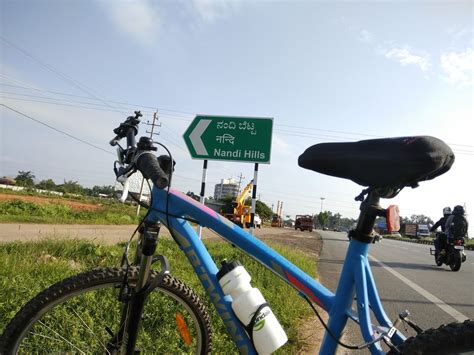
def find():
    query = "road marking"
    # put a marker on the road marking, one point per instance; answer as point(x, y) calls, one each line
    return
point(448, 309)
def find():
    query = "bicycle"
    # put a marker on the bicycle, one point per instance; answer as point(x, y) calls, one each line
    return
point(123, 292)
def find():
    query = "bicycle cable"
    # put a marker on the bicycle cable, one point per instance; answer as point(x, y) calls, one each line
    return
point(351, 347)
point(171, 169)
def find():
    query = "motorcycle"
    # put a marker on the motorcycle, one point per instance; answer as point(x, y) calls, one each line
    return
point(454, 254)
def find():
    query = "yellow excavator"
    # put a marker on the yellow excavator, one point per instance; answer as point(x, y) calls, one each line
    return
point(241, 215)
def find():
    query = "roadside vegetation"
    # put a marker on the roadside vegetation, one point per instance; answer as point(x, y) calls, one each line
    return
point(28, 268)
point(58, 211)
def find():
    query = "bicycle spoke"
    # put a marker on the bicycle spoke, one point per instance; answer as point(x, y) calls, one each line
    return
point(76, 319)
point(60, 336)
point(92, 332)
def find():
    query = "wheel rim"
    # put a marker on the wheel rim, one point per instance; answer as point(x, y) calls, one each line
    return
point(78, 322)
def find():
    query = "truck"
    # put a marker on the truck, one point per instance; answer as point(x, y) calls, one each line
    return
point(417, 230)
point(304, 222)
point(277, 221)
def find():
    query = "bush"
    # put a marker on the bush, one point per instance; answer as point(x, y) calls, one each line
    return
point(29, 212)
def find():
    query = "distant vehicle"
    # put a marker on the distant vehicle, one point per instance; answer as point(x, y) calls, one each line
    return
point(417, 230)
point(277, 221)
point(325, 228)
point(304, 223)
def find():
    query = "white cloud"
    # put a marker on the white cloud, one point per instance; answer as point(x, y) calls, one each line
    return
point(366, 36)
point(459, 67)
point(405, 57)
point(139, 19)
point(211, 10)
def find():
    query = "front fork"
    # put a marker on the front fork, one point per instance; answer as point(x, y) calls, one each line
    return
point(134, 300)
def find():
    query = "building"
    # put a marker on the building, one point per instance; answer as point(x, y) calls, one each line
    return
point(227, 187)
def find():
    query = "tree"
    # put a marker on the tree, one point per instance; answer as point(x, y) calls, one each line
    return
point(421, 219)
point(104, 189)
point(228, 204)
point(263, 210)
point(25, 178)
point(334, 220)
point(71, 187)
point(323, 218)
point(48, 184)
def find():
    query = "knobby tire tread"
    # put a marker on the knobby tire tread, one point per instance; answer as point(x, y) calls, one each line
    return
point(447, 339)
point(96, 277)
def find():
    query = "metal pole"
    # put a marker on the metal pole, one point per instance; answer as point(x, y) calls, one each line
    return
point(143, 179)
point(203, 189)
point(254, 195)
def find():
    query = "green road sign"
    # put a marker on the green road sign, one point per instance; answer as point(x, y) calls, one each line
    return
point(244, 139)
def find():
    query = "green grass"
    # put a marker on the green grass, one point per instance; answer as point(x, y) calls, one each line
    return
point(57, 213)
point(27, 268)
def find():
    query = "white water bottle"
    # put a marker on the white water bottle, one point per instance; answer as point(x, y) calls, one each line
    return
point(268, 335)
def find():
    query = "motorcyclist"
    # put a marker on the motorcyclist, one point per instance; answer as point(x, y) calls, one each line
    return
point(440, 241)
point(456, 224)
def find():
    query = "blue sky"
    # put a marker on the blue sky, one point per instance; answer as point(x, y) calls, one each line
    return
point(325, 71)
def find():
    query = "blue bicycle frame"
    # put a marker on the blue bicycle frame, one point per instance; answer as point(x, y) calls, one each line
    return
point(356, 277)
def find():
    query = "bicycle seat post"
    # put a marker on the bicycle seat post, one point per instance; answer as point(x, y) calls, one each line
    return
point(370, 209)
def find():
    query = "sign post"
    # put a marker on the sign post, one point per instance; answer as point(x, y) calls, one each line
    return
point(240, 139)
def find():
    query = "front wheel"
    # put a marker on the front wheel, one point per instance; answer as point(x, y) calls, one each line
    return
point(453, 338)
point(82, 314)
point(455, 264)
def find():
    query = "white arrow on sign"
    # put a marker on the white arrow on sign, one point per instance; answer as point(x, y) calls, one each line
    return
point(195, 137)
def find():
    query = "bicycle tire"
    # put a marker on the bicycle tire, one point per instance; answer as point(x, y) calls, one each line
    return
point(94, 293)
point(453, 338)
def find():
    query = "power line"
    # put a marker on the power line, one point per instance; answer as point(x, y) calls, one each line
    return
point(102, 100)
point(70, 80)
point(321, 138)
point(59, 104)
point(57, 130)
point(304, 134)
point(55, 99)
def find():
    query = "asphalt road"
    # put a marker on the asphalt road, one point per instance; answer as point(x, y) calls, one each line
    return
point(406, 278)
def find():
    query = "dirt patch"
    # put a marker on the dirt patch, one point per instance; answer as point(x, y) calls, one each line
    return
point(311, 331)
point(48, 200)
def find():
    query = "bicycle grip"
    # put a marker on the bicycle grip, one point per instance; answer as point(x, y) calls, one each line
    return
point(148, 165)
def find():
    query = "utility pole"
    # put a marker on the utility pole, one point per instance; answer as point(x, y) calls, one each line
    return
point(152, 132)
point(240, 180)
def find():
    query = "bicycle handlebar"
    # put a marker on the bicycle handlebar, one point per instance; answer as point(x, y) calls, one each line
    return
point(147, 163)
point(141, 156)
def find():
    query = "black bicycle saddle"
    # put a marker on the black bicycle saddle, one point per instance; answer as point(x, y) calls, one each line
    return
point(385, 162)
